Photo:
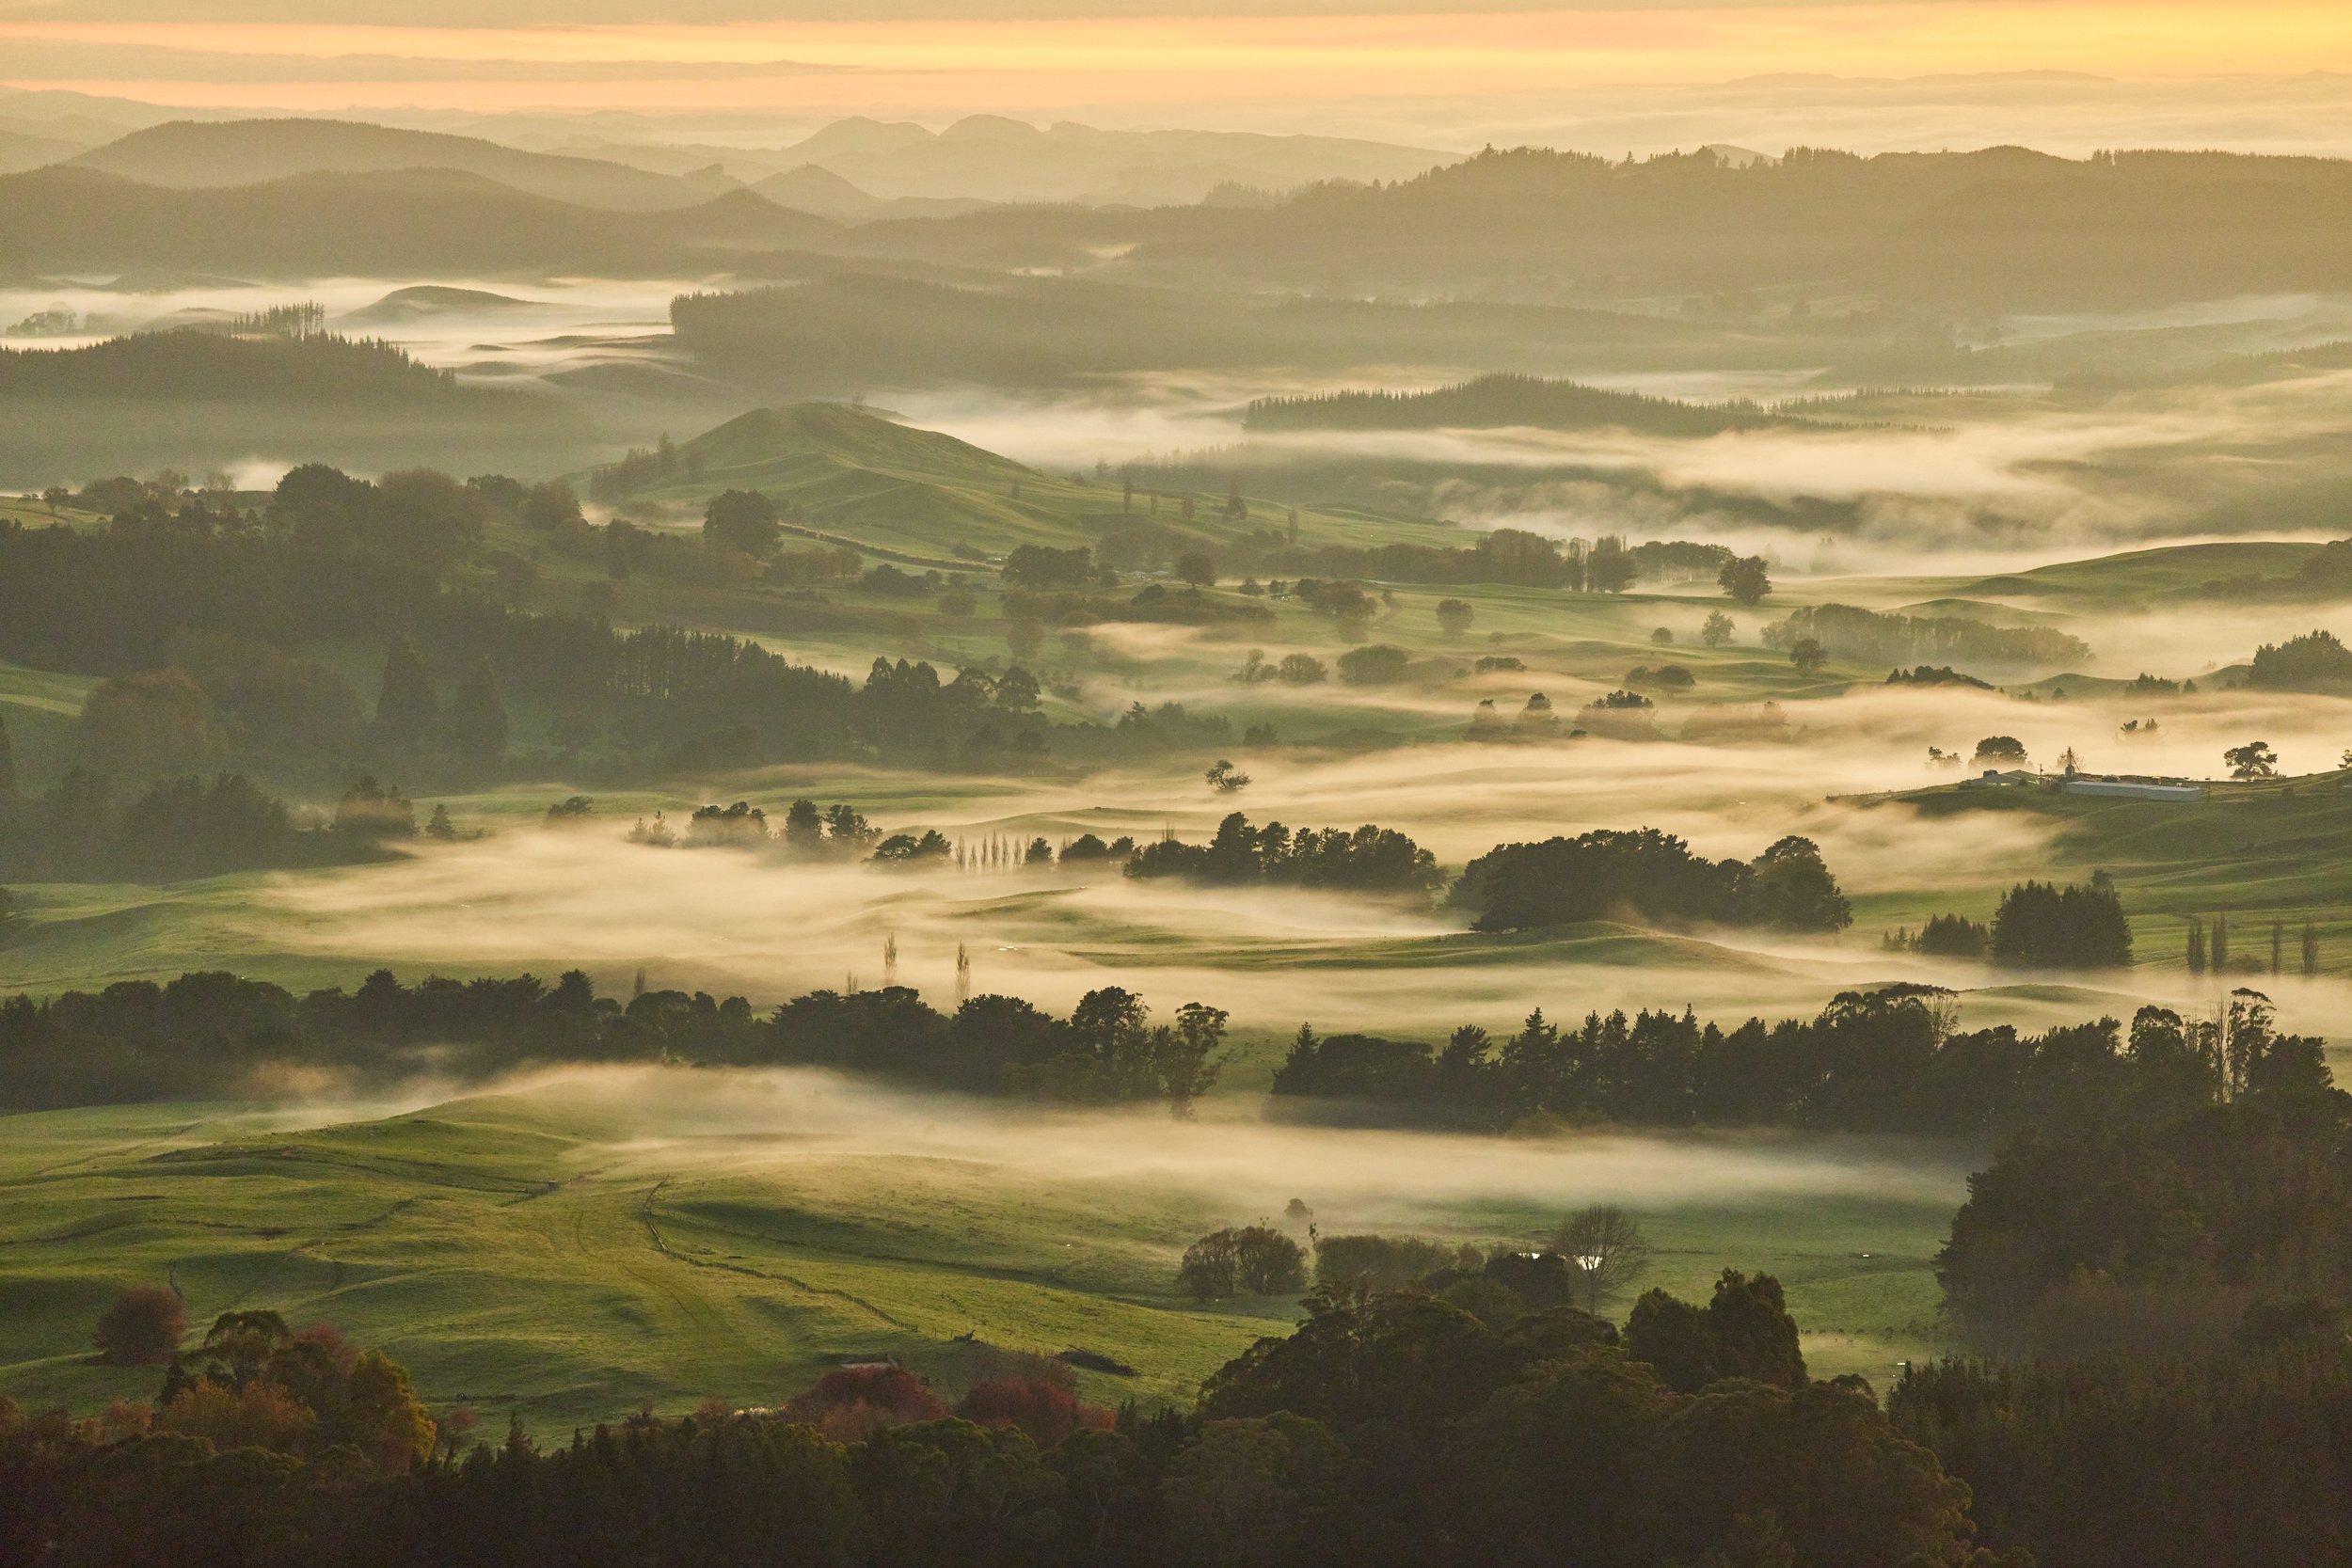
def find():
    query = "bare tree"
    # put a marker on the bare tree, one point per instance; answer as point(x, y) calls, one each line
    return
point(1606, 1247)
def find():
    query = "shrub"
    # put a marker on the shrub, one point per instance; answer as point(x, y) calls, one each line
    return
point(1377, 665)
point(143, 1327)
point(852, 1402)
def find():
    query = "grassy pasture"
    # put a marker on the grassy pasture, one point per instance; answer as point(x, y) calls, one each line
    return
point(533, 1252)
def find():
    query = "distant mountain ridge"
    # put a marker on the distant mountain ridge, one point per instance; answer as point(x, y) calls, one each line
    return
point(191, 154)
point(994, 158)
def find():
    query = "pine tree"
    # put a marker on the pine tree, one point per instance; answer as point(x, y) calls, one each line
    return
point(405, 708)
point(2196, 945)
point(2311, 946)
point(477, 717)
point(2220, 944)
point(440, 827)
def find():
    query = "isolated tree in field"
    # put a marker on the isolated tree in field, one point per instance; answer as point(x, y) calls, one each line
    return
point(2001, 750)
point(1024, 635)
point(2196, 945)
point(1301, 670)
point(2046, 926)
point(1605, 1246)
point(1794, 891)
point(1198, 568)
point(143, 1327)
point(439, 827)
point(1745, 579)
point(1225, 778)
point(2311, 947)
point(1188, 1055)
point(477, 720)
point(1716, 630)
point(2253, 760)
point(742, 520)
point(1267, 1262)
point(1454, 616)
point(405, 708)
point(1377, 665)
point(1208, 1271)
point(1809, 657)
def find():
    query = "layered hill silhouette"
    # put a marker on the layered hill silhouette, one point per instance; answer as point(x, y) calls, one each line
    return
point(2004, 229)
point(192, 154)
point(994, 158)
point(418, 222)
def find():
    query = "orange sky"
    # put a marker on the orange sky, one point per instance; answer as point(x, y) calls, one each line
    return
point(1041, 66)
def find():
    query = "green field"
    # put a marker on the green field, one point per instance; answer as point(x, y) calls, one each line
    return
point(555, 1254)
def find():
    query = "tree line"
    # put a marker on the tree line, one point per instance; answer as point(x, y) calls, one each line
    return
point(1369, 858)
point(1883, 638)
point(212, 1034)
point(1886, 1060)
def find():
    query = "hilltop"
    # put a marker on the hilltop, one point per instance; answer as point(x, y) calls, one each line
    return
point(853, 474)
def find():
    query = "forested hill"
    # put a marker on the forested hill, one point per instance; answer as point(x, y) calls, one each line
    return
point(188, 362)
point(2005, 227)
point(417, 222)
point(1496, 400)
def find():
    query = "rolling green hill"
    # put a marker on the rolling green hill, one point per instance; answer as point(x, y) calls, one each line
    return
point(2137, 575)
point(536, 1253)
point(2273, 850)
point(860, 477)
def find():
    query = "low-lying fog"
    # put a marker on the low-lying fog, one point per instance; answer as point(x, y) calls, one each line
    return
point(468, 324)
point(737, 1123)
point(771, 927)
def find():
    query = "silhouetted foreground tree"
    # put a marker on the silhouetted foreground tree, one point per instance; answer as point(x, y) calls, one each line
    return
point(1388, 1430)
point(2181, 1273)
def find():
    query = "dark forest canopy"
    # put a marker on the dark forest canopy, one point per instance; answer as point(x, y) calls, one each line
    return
point(1888, 1060)
point(1369, 859)
point(240, 598)
point(1385, 1431)
point(1651, 876)
point(2316, 660)
point(213, 1034)
point(189, 362)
